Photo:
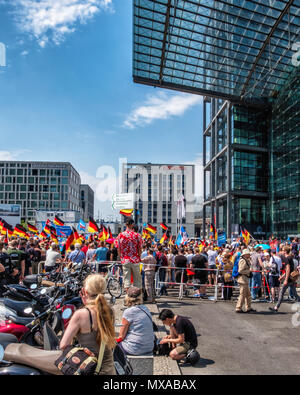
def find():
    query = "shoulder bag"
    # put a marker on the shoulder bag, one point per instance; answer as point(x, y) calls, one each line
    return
point(80, 361)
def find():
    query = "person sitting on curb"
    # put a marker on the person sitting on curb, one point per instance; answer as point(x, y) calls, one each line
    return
point(243, 281)
point(136, 335)
point(182, 336)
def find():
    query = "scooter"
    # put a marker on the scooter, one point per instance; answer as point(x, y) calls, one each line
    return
point(21, 359)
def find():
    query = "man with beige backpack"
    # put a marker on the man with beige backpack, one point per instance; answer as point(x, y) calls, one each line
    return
point(243, 281)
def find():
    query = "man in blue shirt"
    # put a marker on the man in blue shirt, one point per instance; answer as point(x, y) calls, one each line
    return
point(77, 256)
point(101, 256)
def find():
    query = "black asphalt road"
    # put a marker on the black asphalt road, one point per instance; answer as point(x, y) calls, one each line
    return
point(230, 343)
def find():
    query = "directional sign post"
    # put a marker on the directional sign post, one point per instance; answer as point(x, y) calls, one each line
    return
point(122, 201)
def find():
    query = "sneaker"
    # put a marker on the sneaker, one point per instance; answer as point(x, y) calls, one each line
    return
point(273, 309)
point(250, 311)
point(239, 311)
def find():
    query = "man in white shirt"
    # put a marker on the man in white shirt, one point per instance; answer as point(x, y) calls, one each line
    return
point(275, 265)
point(52, 257)
point(211, 257)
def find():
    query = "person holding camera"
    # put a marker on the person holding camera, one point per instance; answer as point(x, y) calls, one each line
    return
point(243, 281)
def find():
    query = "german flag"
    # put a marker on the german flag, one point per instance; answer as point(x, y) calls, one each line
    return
point(246, 235)
point(32, 228)
point(127, 212)
point(164, 238)
point(164, 226)
point(151, 228)
point(43, 234)
point(77, 238)
point(53, 236)
point(3, 226)
point(213, 234)
point(145, 234)
point(20, 231)
point(47, 229)
point(9, 230)
point(105, 233)
point(70, 241)
point(57, 221)
point(92, 227)
point(110, 234)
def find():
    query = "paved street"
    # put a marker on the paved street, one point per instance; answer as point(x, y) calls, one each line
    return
point(231, 343)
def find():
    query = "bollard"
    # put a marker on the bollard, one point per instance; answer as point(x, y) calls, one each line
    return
point(216, 287)
point(181, 286)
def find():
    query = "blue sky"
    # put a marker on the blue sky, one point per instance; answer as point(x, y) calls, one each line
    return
point(67, 92)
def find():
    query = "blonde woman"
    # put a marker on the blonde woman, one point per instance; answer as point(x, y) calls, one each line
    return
point(93, 323)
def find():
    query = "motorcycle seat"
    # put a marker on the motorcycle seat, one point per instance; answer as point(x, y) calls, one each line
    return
point(6, 339)
point(34, 357)
point(20, 320)
point(17, 306)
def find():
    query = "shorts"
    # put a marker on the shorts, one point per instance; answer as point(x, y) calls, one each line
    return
point(134, 269)
point(274, 281)
point(183, 348)
point(211, 271)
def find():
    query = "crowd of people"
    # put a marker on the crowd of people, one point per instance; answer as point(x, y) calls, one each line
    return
point(258, 271)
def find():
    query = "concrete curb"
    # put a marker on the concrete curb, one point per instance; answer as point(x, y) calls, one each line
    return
point(162, 365)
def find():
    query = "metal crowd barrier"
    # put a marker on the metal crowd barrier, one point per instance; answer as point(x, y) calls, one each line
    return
point(182, 284)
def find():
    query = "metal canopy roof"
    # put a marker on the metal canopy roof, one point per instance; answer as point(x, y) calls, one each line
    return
point(232, 49)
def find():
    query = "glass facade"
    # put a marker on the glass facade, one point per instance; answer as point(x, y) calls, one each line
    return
point(251, 126)
point(286, 158)
point(222, 48)
point(250, 171)
point(241, 56)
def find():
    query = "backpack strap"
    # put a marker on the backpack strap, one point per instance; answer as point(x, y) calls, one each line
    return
point(100, 357)
point(91, 318)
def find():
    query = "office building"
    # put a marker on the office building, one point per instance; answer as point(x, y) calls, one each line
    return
point(46, 186)
point(157, 189)
point(86, 201)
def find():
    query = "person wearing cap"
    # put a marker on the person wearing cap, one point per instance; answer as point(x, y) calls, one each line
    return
point(53, 257)
point(136, 335)
point(243, 281)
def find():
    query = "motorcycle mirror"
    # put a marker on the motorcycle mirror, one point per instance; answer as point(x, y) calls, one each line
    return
point(28, 310)
point(43, 291)
point(66, 314)
point(1, 353)
point(33, 286)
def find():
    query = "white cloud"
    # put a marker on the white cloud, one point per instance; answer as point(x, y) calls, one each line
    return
point(52, 20)
point(24, 53)
point(161, 106)
point(12, 155)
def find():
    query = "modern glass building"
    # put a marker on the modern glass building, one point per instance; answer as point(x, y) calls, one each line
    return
point(243, 57)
